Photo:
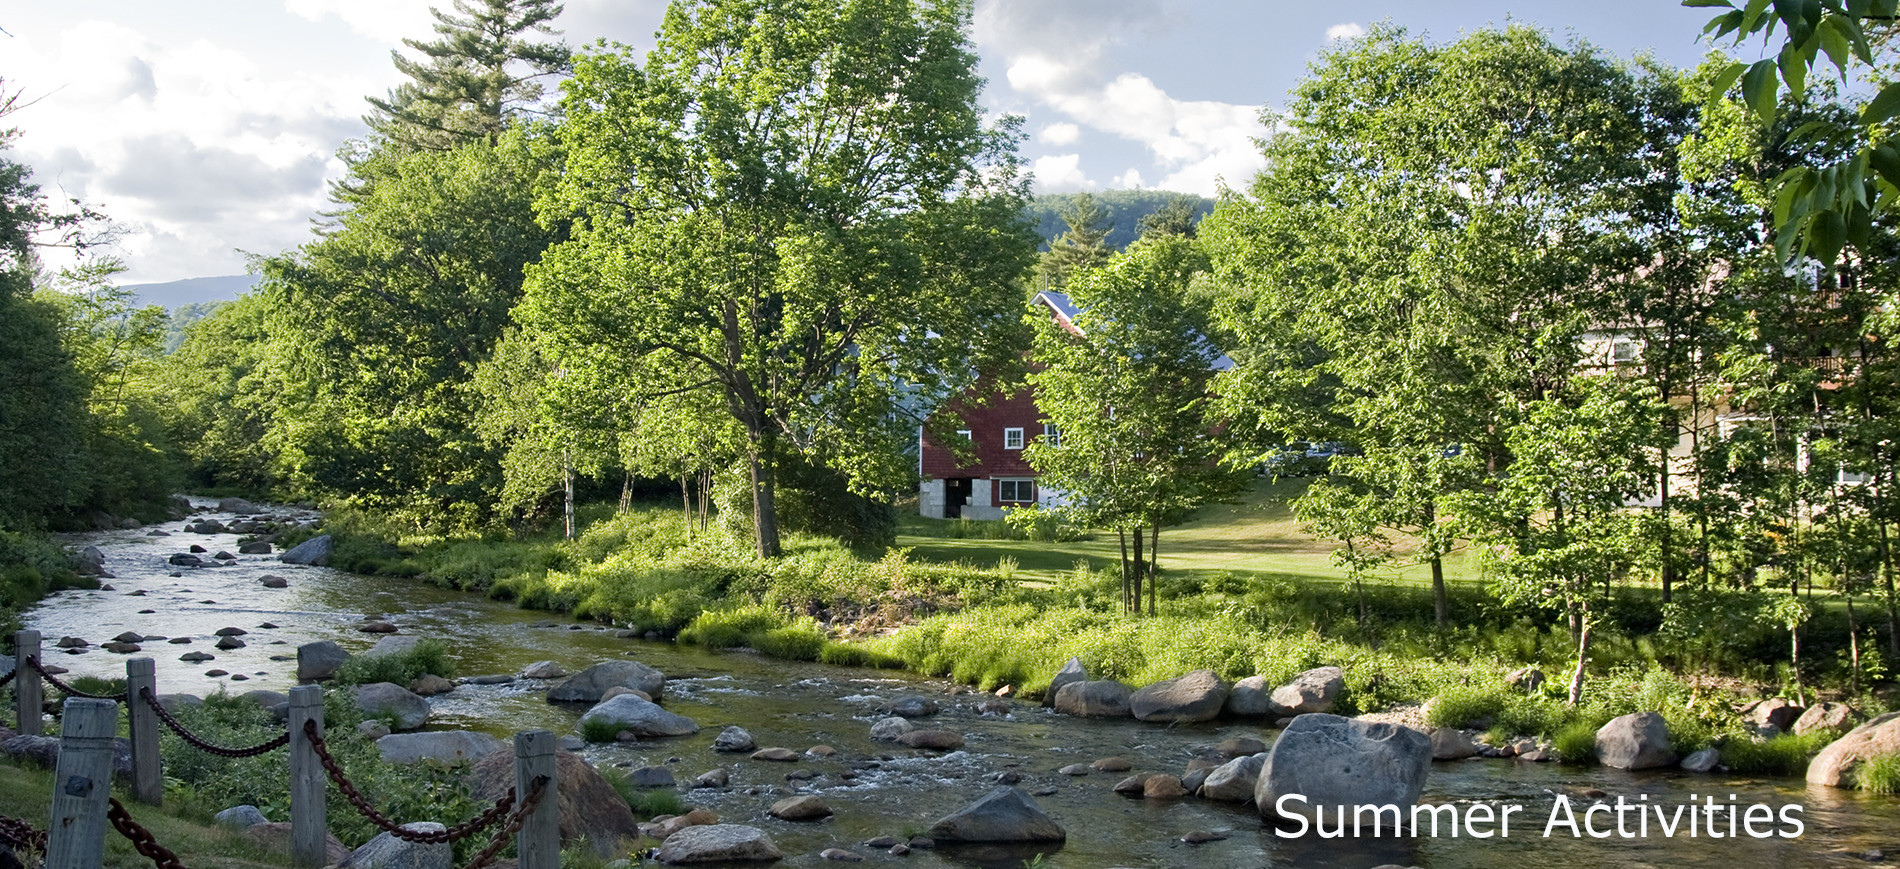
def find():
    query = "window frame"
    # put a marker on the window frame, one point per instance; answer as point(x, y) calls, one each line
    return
point(1025, 490)
point(1017, 432)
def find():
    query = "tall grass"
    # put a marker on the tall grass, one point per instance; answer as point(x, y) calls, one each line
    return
point(425, 657)
point(1880, 774)
point(1786, 754)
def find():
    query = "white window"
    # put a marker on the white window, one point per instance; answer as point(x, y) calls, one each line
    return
point(1051, 435)
point(1016, 491)
point(1012, 439)
point(964, 433)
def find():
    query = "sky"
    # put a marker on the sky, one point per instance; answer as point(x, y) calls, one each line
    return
point(206, 129)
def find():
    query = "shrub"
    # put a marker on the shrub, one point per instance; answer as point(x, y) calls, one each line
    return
point(1880, 774)
point(1466, 707)
point(401, 668)
point(1576, 743)
point(1786, 754)
point(599, 730)
point(729, 629)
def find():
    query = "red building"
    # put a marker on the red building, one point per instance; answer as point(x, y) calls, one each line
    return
point(997, 427)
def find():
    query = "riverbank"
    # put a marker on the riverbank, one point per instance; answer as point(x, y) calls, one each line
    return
point(652, 572)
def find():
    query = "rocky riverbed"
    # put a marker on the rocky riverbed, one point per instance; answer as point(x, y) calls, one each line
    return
point(824, 718)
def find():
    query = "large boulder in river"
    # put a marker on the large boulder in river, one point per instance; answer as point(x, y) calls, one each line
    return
point(1073, 671)
point(445, 746)
point(320, 660)
point(1002, 815)
point(1312, 691)
point(590, 808)
point(1249, 698)
point(643, 718)
point(1197, 696)
point(1639, 740)
point(591, 684)
point(1334, 761)
point(387, 700)
point(1838, 764)
point(1233, 781)
point(1774, 712)
point(1450, 743)
point(315, 551)
point(1106, 698)
point(238, 506)
point(718, 843)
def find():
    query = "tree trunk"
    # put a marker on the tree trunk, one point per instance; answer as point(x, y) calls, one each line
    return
point(705, 497)
point(1121, 537)
point(1853, 646)
point(1794, 662)
point(763, 464)
point(1154, 564)
point(1441, 606)
point(1140, 567)
point(626, 494)
point(1583, 659)
point(686, 504)
point(567, 492)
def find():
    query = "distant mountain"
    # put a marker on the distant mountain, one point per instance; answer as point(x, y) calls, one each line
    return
point(174, 294)
point(1125, 209)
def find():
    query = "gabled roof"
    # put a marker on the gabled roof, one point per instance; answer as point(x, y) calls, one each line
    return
point(1065, 313)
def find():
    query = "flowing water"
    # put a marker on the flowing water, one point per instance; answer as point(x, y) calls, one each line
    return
point(895, 791)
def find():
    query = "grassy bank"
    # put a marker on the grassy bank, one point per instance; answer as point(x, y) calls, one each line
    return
point(953, 601)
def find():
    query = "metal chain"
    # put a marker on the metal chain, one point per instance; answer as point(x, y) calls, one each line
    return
point(54, 681)
point(362, 806)
point(141, 838)
point(195, 741)
point(536, 790)
point(22, 834)
point(9, 677)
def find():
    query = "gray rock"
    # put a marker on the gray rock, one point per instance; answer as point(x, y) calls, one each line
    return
point(1003, 815)
point(652, 777)
point(255, 547)
point(445, 746)
point(589, 685)
point(713, 778)
point(230, 632)
point(933, 740)
point(1233, 781)
point(1312, 691)
point(841, 855)
point(185, 559)
point(320, 660)
point(544, 670)
point(1073, 671)
point(239, 817)
point(1334, 761)
point(1102, 699)
point(92, 557)
point(889, 729)
point(1639, 740)
point(393, 644)
point(1196, 696)
point(1248, 698)
point(628, 712)
point(175, 702)
point(273, 581)
point(387, 700)
point(1450, 743)
point(1702, 761)
point(44, 751)
point(909, 706)
point(229, 643)
point(196, 657)
point(734, 739)
point(800, 808)
point(315, 552)
point(429, 685)
point(1075, 769)
point(776, 755)
point(238, 506)
point(388, 852)
point(718, 843)
point(1774, 712)
point(492, 679)
point(265, 698)
point(372, 730)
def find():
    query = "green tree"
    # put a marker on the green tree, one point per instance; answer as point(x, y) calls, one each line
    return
point(799, 199)
point(1083, 246)
point(1128, 391)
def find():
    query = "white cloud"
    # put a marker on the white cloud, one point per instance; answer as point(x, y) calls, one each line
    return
point(1059, 134)
point(1130, 179)
point(1195, 141)
point(1348, 30)
point(1061, 173)
point(389, 21)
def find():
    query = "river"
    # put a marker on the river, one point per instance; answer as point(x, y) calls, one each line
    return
point(895, 791)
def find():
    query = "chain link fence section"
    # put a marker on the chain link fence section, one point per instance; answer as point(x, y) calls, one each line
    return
point(199, 743)
point(142, 839)
point(69, 690)
point(22, 835)
point(362, 806)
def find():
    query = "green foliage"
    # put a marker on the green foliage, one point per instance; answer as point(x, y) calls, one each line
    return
point(648, 803)
point(599, 730)
point(1045, 525)
point(1576, 743)
point(1880, 774)
point(1123, 212)
point(401, 668)
point(1783, 754)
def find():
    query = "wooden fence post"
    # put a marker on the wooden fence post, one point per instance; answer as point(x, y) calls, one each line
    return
point(26, 681)
point(148, 778)
point(538, 845)
point(82, 784)
point(309, 827)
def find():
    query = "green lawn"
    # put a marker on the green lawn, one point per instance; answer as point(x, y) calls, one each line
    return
point(1257, 534)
